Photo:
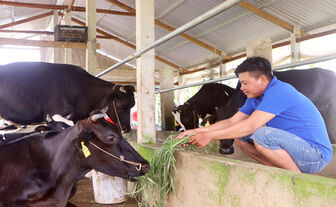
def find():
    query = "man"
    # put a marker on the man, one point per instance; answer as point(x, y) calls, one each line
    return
point(295, 136)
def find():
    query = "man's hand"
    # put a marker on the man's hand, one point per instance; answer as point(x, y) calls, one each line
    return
point(200, 139)
point(186, 133)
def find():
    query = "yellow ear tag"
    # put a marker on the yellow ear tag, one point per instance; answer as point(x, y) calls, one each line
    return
point(85, 150)
point(207, 123)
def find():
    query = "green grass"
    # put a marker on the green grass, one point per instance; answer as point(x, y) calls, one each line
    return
point(152, 188)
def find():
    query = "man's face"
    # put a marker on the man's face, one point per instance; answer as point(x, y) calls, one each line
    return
point(251, 86)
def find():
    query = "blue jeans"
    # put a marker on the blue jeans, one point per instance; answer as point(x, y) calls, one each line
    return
point(307, 158)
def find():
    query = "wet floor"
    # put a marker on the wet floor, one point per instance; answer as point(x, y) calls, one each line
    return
point(84, 196)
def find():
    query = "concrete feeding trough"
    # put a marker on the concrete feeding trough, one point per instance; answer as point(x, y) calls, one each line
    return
point(214, 180)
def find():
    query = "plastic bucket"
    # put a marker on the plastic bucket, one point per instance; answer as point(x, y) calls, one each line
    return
point(108, 189)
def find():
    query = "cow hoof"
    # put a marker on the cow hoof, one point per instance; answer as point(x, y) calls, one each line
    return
point(226, 151)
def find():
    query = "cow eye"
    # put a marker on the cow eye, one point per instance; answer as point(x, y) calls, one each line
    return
point(111, 138)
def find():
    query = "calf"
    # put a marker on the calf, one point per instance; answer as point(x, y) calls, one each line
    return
point(42, 169)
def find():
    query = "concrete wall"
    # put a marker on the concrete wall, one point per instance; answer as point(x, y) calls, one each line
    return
point(329, 171)
point(209, 180)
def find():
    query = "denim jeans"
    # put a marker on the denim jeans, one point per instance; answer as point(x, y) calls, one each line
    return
point(307, 158)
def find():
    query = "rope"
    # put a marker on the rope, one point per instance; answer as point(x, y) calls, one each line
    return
point(115, 111)
point(137, 165)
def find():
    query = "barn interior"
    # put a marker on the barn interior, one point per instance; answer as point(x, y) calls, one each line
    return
point(168, 49)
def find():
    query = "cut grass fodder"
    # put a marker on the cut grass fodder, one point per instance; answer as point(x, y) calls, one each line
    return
point(152, 188)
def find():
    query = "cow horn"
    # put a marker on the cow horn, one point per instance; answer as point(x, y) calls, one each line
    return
point(48, 119)
point(67, 116)
point(104, 110)
point(95, 117)
point(122, 89)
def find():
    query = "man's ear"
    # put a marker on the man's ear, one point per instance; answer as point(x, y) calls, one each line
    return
point(263, 80)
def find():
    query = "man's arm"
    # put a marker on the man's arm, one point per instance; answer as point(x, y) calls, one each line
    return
point(239, 129)
point(216, 126)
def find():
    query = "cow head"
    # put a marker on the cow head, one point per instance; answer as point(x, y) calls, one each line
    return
point(120, 102)
point(103, 148)
point(186, 117)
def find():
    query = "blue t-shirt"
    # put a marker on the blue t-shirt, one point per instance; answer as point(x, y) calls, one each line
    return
point(295, 113)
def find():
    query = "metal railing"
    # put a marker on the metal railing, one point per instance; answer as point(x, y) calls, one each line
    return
point(280, 67)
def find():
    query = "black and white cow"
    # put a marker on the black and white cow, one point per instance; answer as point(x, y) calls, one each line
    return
point(31, 90)
point(41, 169)
point(319, 85)
point(55, 123)
point(203, 104)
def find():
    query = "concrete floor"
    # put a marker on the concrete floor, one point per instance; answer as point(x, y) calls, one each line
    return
point(84, 196)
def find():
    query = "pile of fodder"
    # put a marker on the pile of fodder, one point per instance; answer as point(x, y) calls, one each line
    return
point(152, 188)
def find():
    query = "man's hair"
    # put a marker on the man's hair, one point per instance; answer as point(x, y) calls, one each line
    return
point(257, 66)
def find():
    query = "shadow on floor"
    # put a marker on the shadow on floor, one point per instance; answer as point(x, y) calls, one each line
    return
point(84, 196)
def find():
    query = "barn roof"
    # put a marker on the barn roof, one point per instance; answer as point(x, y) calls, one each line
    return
point(226, 33)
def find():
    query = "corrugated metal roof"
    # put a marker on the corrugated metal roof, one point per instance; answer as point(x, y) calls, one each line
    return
point(227, 31)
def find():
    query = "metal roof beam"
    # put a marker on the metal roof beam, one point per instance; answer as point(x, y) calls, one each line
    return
point(216, 27)
point(276, 45)
point(40, 16)
point(169, 28)
point(110, 36)
point(169, 9)
point(43, 43)
point(269, 17)
point(27, 31)
point(62, 7)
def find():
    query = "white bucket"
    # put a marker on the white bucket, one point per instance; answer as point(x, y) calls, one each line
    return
point(108, 189)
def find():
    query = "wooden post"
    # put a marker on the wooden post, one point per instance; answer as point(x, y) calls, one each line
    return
point(145, 35)
point(68, 51)
point(180, 93)
point(92, 41)
point(295, 46)
point(167, 99)
point(222, 66)
point(57, 51)
point(259, 47)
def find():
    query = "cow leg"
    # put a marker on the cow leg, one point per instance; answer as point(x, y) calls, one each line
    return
point(226, 146)
point(70, 205)
point(72, 193)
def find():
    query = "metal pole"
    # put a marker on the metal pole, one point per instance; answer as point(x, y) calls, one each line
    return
point(280, 67)
point(196, 84)
point(198, 20)
point(305, 62)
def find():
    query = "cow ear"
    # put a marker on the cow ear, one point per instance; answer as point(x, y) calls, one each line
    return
point(59, 118)
point(127, 88)
point(86, 135)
